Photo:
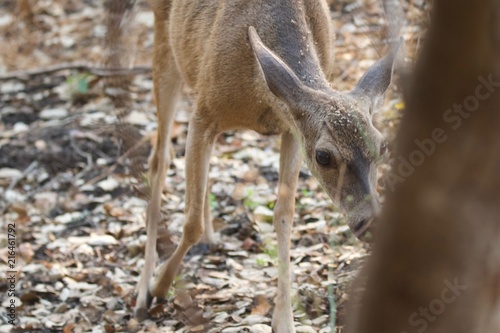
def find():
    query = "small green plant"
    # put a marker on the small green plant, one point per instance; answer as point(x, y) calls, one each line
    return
point(271, 249)
point(271, 205)
point(176, 284)
point(306, 193)
point(170, 293)
point(177, 279)
point(249, 202)
point(262, 262)
point(269, 255)
point(213, 201)
point(78, 84)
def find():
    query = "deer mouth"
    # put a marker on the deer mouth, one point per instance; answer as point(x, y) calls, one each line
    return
point(363, 230)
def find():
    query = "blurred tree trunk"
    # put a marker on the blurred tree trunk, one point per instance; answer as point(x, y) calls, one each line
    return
point(118, 53)
point(117, 46)
point(436, 262)
point(116, 24)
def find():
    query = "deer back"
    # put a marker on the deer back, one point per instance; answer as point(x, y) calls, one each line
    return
point(214, 56)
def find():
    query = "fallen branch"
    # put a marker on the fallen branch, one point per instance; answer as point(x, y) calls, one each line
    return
point(122, 158)
point(98, 71)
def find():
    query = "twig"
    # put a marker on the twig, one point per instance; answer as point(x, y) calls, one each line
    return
point(98, 71)
point(28, 170)
point(82, 154)
point(118, 161)
point(15, 181)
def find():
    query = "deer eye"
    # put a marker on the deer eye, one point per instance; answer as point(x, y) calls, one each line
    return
point(383, 148)
point(324, 158)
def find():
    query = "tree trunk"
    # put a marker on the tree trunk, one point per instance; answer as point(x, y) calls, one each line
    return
point(436, 261)
point(117, 45)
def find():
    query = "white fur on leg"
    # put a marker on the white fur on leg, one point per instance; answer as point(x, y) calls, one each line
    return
point(283, 315)
point(290, 162)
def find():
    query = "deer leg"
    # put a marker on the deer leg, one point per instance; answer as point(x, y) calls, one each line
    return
point(167, 84)
point(198, 150)
point(290, 162)
point(208, 235)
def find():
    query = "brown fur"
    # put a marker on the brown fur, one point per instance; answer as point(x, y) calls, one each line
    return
point(272, 79)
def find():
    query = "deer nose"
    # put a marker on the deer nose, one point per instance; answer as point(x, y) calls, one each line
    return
point(364, 230)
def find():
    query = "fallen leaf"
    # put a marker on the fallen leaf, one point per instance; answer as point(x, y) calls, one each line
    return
point(10, 173)
point(68, 328)
point(262, 307)
point(26, 252)
point(109, 184)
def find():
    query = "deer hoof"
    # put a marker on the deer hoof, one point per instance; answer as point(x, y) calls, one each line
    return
point(142, 313)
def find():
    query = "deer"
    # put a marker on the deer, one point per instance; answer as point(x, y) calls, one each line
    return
point(264, 66)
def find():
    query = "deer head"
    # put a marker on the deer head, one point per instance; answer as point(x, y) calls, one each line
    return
point(340, 144)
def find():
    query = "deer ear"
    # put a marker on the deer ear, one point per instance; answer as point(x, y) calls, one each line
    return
point(372, 86)
point(280, 78)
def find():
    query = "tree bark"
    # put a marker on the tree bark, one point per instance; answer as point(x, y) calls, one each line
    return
point(436, 262)
point(117, 45)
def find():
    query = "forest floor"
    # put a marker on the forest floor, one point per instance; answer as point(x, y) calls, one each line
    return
point(73, 185)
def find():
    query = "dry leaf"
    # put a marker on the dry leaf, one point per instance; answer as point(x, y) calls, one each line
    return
point(26, 252)
point(262, 307)
point(68, 328)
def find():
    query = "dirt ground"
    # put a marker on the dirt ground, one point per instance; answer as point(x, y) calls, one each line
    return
point(74, 145)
